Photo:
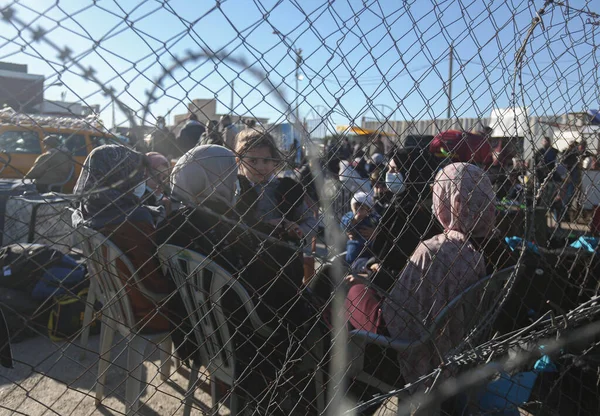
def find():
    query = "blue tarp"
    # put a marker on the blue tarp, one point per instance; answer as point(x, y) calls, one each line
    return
point(504, 395)
point(516, 242)
point(586, 243)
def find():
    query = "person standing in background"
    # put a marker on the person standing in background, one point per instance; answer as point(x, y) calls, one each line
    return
point(190, 134)
point(228, 131)
point(211, 135)
point(52, 167)
point(377, 146)
point(545, 159)
point(162, 140)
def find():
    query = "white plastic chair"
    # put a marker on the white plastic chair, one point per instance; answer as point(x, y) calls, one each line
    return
point(202, 285)
point(117, 316)
point(476, 306)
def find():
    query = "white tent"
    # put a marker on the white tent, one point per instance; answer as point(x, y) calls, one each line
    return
point(509, 122)
point(563, 138)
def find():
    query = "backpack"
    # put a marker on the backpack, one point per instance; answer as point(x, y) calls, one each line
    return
point(66, 316)
point(23, 265)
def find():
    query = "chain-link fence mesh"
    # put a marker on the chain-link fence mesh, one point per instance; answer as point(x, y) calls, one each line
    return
point(276, 207)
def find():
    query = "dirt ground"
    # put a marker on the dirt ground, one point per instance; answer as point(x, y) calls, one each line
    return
point(53, 379)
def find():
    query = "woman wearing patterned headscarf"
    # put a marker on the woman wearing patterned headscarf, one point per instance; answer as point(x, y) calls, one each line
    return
point(439, 270)
point(110, 185)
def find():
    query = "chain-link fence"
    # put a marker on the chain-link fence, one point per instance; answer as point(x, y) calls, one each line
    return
point(276, 207)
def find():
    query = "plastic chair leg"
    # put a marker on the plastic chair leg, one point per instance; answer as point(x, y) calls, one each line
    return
point(166, 353)
point(107, 335)
point(215, 397)
point(133, 385)
point(189, 395)
point(234, 404)
point(87, 316)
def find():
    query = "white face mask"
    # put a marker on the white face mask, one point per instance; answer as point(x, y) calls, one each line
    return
point(140, 190)
point(395, 182)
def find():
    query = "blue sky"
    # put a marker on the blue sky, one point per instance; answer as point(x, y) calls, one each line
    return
point(358, 55)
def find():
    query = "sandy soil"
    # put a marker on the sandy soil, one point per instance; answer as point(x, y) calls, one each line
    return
point(53, 379)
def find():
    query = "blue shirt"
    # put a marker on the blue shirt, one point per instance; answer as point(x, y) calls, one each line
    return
point(355, 247)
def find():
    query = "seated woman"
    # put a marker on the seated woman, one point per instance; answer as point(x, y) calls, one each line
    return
point(110, 186)
point(405, 222)
point(439, 270)
point(271, 272)
point(204, 181)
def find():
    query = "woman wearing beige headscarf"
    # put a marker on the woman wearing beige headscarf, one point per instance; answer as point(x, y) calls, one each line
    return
point(442, 267)
point(439, 270)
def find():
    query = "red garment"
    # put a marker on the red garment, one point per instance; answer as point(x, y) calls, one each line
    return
point(462, 147)
point(136, 240)
point(363, 309)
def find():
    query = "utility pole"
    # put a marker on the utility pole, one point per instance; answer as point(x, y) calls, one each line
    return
point(298, 63)
point(231, 102)
point(450, 80)
point(114, 124)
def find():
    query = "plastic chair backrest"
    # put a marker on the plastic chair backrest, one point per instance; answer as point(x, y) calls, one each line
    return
point(102, 255)
point(202, 285)
point(469, 296)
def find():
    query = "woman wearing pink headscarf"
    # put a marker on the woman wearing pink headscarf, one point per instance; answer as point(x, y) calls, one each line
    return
point(438, 271)
point(443, 266)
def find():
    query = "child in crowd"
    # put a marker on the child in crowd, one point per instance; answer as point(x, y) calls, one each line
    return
point(264, 198)
point(360, 224)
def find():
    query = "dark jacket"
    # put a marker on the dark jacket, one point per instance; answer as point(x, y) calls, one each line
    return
point(404, 224)
point(163, 142)
point(287, 197)
point(211, 138)
point(189, 136)
point(271, 273)
point(376, 146)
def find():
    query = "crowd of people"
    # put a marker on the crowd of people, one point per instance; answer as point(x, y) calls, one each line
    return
point(192, 134)
point(559, 174)
point(217, 192)
point(415, 230)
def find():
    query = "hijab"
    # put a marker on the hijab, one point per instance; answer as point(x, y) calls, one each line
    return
point(441, 268)
point(205, 173)
point(463, 200)
point(106, 183)
point(157, 160)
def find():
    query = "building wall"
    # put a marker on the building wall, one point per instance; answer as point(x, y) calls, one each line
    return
point(205, 109)
point(21, 91)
